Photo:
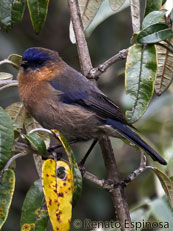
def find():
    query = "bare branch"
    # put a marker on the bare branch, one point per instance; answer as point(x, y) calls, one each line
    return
point(94, 179)
point(97, 71)
point(14, 158)
point(106, 184)
point(137, 172)
point(7, 61)
point(7, 82)
point(82, 47)
point(117, 192)
point(22, 147)
point(8, 85)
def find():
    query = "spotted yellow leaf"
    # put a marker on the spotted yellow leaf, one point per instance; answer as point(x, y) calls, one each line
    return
point(57, 180)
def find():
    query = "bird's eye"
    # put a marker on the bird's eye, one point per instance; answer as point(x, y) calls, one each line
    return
point(25, 64)
point(40, 62)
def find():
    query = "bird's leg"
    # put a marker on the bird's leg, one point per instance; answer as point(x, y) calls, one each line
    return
point(82, 162)
point(52, 148)
point(58, 155)
point(52, 154)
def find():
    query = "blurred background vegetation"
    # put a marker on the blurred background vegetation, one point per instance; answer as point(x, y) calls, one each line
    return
point(108, 38)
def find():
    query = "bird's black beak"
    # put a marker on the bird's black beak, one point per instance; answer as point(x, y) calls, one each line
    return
point(24, 64)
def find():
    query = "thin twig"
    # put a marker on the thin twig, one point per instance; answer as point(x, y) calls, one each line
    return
point(7, 61)
point(137, 172)
point(8, 85)
point(106, 184)
point(97, 71)
point(7, 82)
point(22, 147)
point(40, 130)
point(94, 179)
point(14, 158)
point(84, 57)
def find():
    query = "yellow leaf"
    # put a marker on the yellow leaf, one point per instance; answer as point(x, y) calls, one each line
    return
point(58, 190)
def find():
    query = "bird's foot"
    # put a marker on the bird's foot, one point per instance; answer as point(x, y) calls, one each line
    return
point(53, 148)
point(82, 168)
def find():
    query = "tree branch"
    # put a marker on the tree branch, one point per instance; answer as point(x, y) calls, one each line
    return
point(97, 71)
point(84, 57)
point(106, 184)
point(14, 158)
point(8, 85)
point(117, 194)
point(7, 61)
point(92, 178)
point(137, 172)
point(7, 82)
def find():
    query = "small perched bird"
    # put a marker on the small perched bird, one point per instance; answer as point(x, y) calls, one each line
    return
point(59, 97)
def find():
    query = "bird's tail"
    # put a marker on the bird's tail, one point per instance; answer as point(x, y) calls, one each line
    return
point(125, 131)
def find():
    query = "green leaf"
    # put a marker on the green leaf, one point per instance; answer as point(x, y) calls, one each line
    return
point(34, 212)
point(77, 184)
point(37, 142)
point(18, 11)
point(162, 212)
point(140, 215)
point(140, 77)
point(5, 76)
point(29, 124)
point(38, 12)
point(166, 183)
point(15, 59)
point(5, 13)
point(153, 18)
point(6, 137)
point(75, 169)
point(103, 13)
point(152, 5)
point(163, 2)
point(154, 33)
point(7, 185)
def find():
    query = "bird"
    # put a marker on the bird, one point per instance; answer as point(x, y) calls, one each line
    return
point(59, 97)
